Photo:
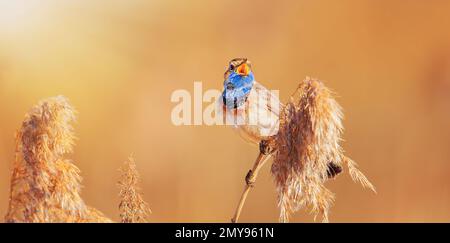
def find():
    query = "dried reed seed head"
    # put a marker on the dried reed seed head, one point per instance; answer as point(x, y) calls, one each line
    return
point(44, 186)
point(46, 133)
point(132, 207)
point(310, 129)
point(307, 142)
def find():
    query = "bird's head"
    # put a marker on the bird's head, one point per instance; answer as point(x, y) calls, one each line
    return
point(239, 66)
point(238, 82)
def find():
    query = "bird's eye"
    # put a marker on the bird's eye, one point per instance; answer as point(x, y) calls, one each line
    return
point(232, 67)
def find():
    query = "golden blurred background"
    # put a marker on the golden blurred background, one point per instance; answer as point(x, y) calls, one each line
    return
point(119, 62)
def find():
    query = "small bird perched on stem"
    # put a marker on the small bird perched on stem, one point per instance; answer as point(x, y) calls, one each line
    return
point(254, 111)
point(306, 151)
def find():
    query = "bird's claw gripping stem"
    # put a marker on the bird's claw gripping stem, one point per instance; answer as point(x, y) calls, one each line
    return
point(266, 147)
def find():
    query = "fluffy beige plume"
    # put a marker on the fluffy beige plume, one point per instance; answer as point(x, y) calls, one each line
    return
point(45, 187)
point(308, 151)
point(132, 207)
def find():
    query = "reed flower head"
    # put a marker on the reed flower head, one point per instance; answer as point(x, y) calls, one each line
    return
point(45, 187)
point(132, 207)
point(309, 152)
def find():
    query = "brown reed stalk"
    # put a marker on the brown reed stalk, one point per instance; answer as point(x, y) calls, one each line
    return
point(132, 207)
point(308, 151)
point(45, 187)
point(250, 179)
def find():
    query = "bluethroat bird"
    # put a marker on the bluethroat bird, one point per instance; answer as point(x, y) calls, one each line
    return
point(250, 107)
point(253, 111)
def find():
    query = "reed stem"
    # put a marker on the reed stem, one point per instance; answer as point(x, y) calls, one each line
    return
point(250, 179)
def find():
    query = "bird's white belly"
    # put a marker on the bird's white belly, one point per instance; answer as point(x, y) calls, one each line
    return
point(258, 119)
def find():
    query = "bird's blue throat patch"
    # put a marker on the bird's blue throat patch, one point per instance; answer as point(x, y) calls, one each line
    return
point(236, 89)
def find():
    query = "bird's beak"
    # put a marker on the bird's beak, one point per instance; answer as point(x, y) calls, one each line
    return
point(243, 69)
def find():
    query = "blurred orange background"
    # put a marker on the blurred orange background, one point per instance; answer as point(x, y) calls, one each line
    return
point(119, 62)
